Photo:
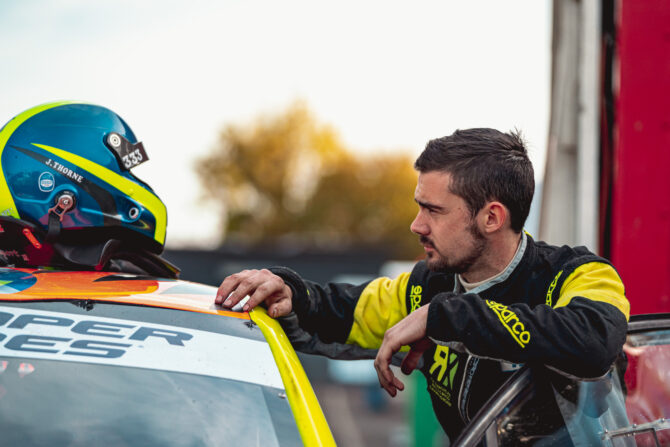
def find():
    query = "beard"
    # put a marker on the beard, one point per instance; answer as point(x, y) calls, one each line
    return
point(437, 262)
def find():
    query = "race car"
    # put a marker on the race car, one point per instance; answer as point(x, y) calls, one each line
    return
point(102, 358)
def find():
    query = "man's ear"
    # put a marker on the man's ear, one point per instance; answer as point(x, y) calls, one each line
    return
point(493, 217)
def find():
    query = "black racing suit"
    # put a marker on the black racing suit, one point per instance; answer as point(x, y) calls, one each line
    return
point(560, 307)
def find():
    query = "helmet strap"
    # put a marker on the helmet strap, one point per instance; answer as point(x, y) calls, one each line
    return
point(64, 204)
point(54, 227)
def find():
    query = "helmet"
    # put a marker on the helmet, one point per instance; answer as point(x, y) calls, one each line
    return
point(65, 169)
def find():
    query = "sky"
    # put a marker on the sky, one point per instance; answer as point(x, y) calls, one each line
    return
point(387, 75)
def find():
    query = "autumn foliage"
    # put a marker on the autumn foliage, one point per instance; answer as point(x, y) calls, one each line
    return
point(288, 180)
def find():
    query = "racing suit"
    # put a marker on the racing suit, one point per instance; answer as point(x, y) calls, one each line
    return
point(561, 307)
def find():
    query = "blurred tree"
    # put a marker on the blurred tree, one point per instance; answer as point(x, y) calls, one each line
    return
point(287, 179)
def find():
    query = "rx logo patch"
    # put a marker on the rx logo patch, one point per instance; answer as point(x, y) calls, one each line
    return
point(443, 373)
point(46, 182)
point(12, 281)
point(446, 365)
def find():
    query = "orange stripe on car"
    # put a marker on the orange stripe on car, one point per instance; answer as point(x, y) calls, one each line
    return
point(56, 285)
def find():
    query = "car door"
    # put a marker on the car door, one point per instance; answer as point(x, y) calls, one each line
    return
point(630, 406)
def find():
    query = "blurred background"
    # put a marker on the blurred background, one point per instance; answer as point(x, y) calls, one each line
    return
point(283, 133)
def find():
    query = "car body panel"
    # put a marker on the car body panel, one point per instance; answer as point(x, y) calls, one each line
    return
point(30, 328)
point(32, 285)
point(306, 410)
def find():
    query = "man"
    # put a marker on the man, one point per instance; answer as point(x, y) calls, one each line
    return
point(486, 299)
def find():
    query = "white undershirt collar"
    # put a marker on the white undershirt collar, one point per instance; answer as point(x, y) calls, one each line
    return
point(476, 287)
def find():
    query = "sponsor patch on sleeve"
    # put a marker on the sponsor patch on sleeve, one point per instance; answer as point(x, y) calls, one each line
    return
point(511, 322)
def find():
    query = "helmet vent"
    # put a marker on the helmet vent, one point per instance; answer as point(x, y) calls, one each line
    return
point(134, 213)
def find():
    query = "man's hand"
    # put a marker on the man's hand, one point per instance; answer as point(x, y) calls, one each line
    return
point(411, 330)
point(261, 286)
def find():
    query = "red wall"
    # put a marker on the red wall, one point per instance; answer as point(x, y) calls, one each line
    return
point(641, 192)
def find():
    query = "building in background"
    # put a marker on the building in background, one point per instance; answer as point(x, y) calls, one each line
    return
point(609, 140)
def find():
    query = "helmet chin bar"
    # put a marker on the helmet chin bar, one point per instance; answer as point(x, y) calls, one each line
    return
point(26, 245)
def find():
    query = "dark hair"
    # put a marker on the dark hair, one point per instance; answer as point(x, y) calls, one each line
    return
point(484, 164)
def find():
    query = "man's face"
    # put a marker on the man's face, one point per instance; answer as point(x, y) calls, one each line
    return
point(445, 227)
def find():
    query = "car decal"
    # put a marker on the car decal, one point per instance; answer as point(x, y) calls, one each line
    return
point(13, 281)
point(121, 288)
point(39, 334)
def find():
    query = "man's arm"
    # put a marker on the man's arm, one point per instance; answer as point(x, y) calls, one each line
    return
point(410, 331)
point(336, 312)
point(262, 286)
point(581, 335)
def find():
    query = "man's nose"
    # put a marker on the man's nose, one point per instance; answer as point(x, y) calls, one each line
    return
point(418, 226)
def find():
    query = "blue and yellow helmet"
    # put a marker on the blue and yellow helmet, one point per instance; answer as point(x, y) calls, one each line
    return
point(69, 162)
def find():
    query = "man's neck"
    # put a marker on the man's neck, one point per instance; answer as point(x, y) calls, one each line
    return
point(497, 256)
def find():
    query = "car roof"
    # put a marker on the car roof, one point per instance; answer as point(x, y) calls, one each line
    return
point(41, 284)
